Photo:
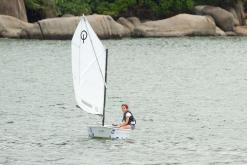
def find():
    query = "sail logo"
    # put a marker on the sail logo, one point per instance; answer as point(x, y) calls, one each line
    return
point(83, 35)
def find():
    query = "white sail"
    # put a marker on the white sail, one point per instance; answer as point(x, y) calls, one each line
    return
point(88, 67)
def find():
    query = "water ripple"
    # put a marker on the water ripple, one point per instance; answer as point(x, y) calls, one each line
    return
point(188, 95)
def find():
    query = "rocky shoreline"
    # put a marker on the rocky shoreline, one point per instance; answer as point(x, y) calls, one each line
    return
point(207, 21)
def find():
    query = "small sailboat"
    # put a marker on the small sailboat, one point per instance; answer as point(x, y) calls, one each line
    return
point(89, 68)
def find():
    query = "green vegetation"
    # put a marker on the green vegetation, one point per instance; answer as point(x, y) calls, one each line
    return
point(145, 9)
point(39, 9)
point(75, 7)
point(112, 7)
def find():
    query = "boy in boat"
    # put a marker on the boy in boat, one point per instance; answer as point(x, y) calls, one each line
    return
point(128, 121)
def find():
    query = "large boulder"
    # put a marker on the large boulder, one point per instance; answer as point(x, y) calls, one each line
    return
point(241, 30)
point(179, 25)
point(63, 28)
point(219, 32)
point(129, 23)
point(134, 20)
point(58, 28)
point(11, 27)
point(235, 16)
point(222, 17)
point(126, 23)
point(106, 27)
point(15, 8)
point(239, 8)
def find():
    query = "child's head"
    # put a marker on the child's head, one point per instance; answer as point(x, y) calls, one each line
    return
point(125, 107)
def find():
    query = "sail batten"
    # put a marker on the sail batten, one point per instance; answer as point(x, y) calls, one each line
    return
point(88, 59)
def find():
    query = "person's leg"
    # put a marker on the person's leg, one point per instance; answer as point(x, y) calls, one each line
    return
point(126, 127)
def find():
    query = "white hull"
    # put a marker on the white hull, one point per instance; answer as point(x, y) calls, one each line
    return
point(108, 132)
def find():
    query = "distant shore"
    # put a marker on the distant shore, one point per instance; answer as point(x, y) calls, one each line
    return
point(39, 19)
point(208, 21)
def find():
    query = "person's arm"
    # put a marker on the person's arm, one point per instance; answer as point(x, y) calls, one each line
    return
point(124, 122)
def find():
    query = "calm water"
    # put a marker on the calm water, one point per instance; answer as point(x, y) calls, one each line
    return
point(188, 95)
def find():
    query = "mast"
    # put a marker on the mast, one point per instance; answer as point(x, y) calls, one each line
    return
point(103, 119)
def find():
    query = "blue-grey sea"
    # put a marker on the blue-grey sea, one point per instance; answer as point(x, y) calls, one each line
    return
point(189, 96)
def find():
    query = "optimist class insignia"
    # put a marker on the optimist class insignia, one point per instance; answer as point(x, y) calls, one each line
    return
point(83, 35)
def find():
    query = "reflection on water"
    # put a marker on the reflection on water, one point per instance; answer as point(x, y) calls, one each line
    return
point(188, 95)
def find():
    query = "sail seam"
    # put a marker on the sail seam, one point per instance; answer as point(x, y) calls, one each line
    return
point(95, 53)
